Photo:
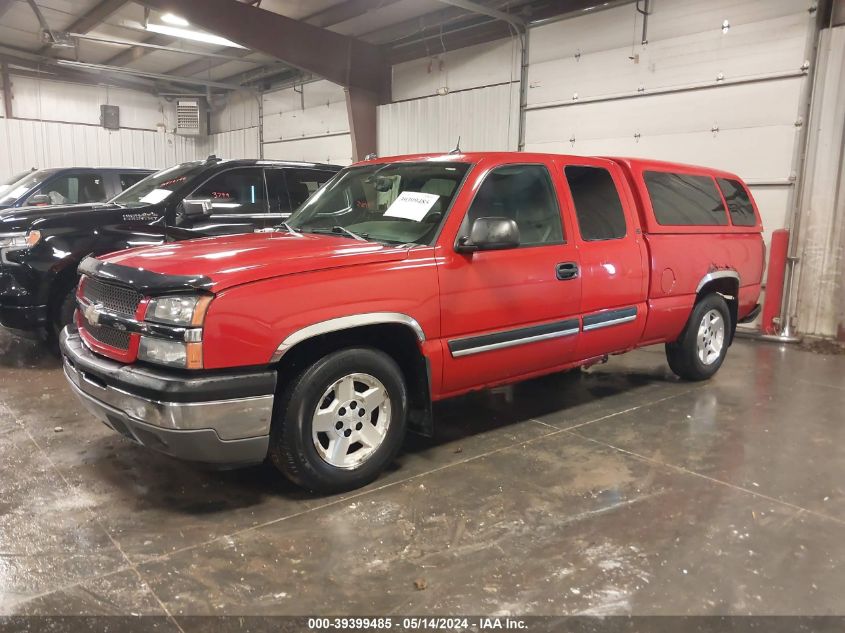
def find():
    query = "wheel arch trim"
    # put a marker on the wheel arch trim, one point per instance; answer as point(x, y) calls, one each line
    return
point(717, 274)
point(346, 323)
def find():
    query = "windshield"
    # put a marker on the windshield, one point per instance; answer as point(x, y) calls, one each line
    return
point(159, 186)
point(397, 203)
point(15, 190)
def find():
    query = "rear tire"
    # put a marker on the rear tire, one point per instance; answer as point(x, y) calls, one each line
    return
point(321, 440)
point(701, 348)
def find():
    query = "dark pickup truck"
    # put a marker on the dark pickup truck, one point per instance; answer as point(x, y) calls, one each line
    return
point(41, 247)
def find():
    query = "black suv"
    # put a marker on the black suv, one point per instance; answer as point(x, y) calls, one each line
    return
point(40, 247)
point(67, 185)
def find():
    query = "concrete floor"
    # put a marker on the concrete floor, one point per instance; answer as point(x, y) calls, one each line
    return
point(617, 491)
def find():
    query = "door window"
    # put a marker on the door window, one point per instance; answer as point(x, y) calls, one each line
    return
point(524, 194)
point(684, 199)
point(129, 179)
point(597, 203)
point(74, 189)
point(235, 191)
point(739, 204)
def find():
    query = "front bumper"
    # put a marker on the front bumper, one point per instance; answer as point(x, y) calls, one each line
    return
point(221, 419)
point(18, 307)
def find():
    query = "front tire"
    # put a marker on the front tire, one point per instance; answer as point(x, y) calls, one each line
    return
point(341, 421)
point(700, 350)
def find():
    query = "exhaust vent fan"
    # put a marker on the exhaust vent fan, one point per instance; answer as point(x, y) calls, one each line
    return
point(191, 117)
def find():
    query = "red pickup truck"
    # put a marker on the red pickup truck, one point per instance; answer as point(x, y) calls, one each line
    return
point(403, 281)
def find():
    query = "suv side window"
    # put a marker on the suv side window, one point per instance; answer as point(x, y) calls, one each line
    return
point(129, 179)
point(525, 194)
point(739, 204)
point(288, 188)
point(597, 203)
point(74, 189)
point(684, 199)
point(234, 192)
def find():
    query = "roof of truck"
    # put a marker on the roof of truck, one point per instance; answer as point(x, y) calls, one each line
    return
point(472, 157)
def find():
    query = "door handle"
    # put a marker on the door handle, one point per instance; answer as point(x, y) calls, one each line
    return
point(566, 270)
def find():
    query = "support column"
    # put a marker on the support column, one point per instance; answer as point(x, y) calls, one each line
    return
point(363, 121)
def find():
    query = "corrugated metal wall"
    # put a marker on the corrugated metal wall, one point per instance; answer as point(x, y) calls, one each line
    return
point(235, 144)
point(481, 104)
point(718, 83)
point(307, 122)
point(26, 144)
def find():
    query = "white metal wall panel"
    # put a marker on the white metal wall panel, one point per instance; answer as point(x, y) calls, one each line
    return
point(482, 65)
point(235, 144)
point(321, 149)
point(25, 144)
point(308, 122)
point(484, 119)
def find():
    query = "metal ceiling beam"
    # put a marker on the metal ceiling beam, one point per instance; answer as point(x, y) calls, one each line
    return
point(142, 73)
point(203, 65)
point(326, 18)
point(96, 16)
point(172, 49)
point(344, 11)
point(136, 52)
point(339, 58)
point(474, 7)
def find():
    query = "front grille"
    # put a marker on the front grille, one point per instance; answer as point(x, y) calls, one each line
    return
point(112, 298)
point(109, 336)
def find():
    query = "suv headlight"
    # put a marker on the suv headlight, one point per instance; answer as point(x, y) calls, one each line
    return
point(20, 240)
point(186, 311)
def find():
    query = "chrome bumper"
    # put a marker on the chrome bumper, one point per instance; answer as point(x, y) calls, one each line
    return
point(221, 430)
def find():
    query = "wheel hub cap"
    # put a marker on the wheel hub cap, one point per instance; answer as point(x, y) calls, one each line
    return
point(711, 337)
point(351, 420)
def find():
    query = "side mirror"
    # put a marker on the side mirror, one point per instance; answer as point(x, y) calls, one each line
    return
point(196, 208)
point(39, 200)
point(490, 234)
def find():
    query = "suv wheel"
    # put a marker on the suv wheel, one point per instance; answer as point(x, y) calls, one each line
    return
point(341, 421)
point(699, 351)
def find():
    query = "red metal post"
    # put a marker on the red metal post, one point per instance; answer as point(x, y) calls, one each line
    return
point(774, 281)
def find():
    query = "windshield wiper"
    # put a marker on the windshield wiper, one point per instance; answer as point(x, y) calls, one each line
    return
point(341, 230)
point(290, 229)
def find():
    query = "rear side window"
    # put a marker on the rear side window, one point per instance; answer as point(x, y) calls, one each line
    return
point(74, 189)
point(739, 204)
point(684, 199)
point(303, 182)
point(597, 203)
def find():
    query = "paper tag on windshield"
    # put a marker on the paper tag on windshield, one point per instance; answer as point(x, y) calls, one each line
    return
point(156, 195)
point(411, 205)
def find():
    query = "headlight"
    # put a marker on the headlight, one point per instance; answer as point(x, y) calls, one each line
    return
point(186, 311)
point(178, 310)
point(19, 240)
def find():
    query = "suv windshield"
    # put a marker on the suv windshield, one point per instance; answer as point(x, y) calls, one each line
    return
point(398, 203)
point(17, 189)
point(160, 185)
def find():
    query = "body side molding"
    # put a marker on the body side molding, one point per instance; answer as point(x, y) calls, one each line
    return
point(346, 323)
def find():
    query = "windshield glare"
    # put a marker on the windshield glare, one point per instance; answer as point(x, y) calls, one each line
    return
point(159, 186)
point(397, 203)
point(17, 189)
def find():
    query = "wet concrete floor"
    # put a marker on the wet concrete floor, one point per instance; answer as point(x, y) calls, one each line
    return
point(619, 490)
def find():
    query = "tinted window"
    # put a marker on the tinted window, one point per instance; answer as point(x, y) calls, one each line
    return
point(524, 194)
point(129, 179)
point(161, 185)
point(234, 191)
point(74, 189)
point(597, 203)
point(684, 199)
point(303, 182)
point(739, 204)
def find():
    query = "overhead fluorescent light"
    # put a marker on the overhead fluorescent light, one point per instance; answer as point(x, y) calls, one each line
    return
point(174, 20)
point(191, 34)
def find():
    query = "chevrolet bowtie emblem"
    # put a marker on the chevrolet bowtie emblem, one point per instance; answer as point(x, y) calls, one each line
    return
point(91, 312)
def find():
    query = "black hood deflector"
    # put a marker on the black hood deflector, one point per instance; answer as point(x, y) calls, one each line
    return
point(144, 281)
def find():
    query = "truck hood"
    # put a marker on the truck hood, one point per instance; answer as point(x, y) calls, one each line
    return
point(223, 262)
point(23, 218)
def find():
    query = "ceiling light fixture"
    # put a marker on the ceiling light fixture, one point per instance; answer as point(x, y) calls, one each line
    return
point(174, 20)
point(191, 34)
